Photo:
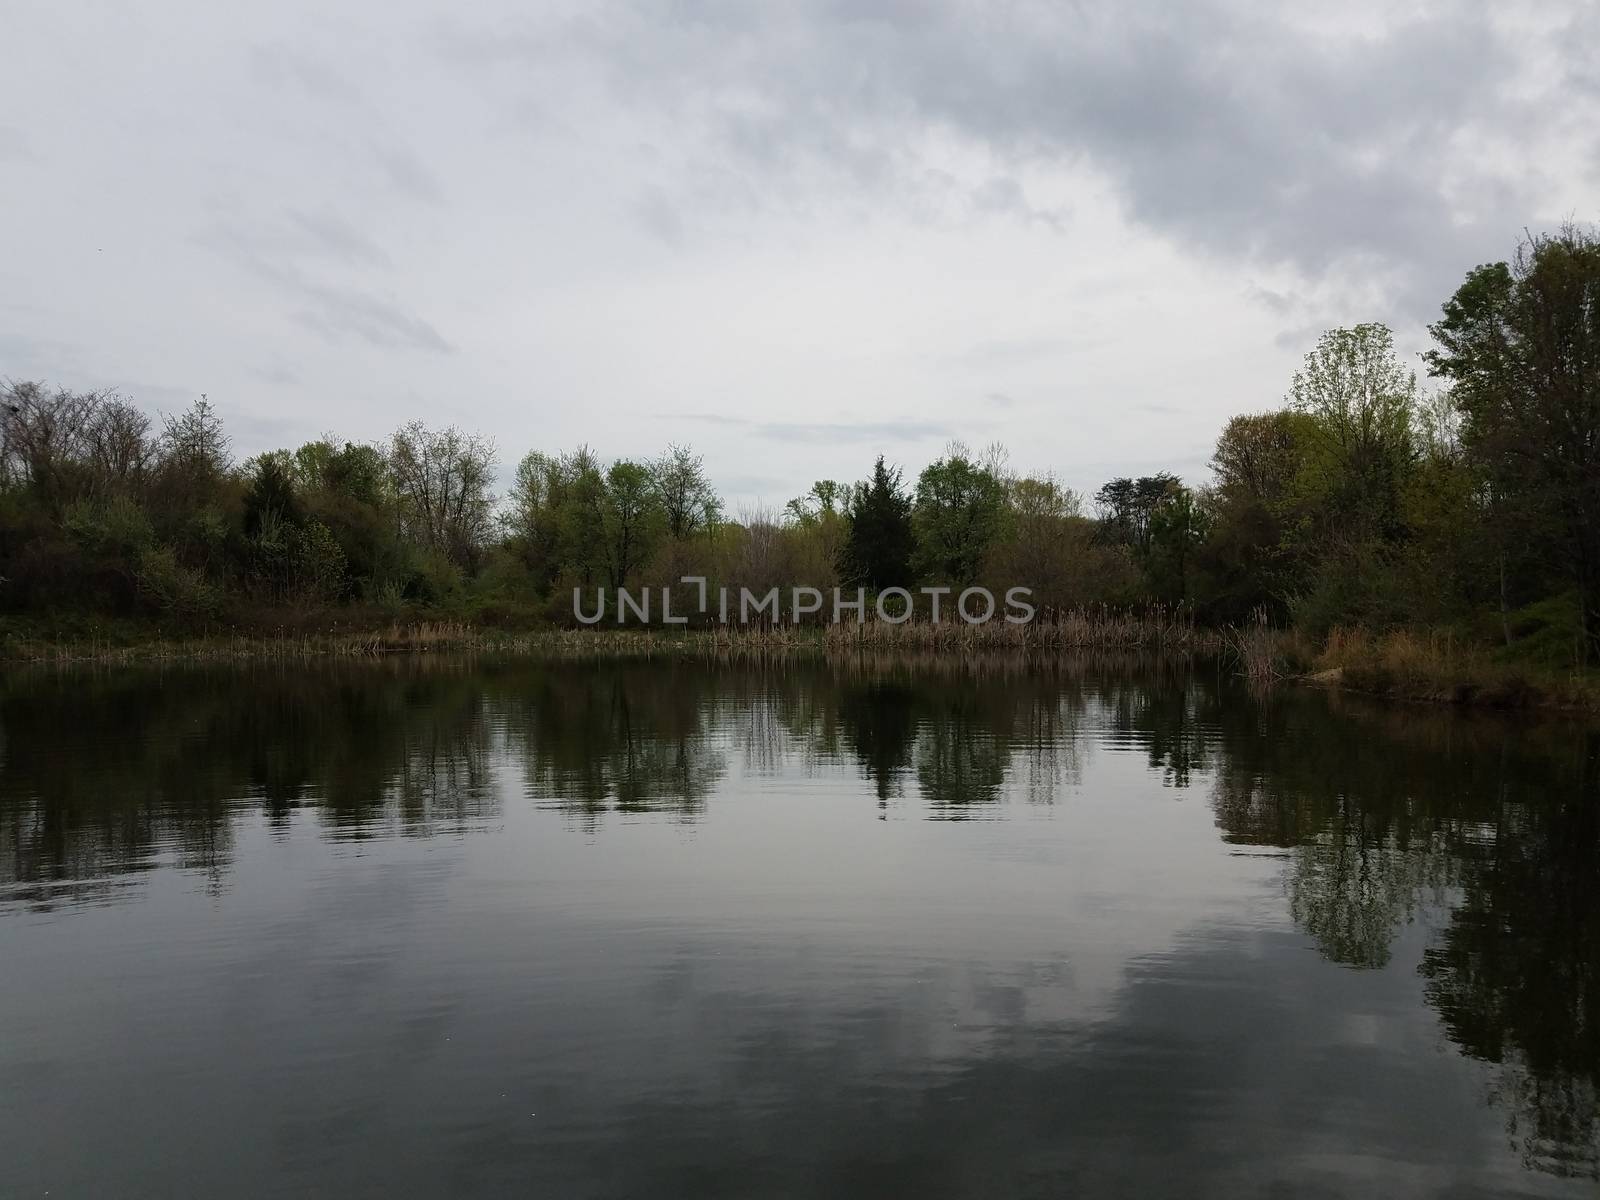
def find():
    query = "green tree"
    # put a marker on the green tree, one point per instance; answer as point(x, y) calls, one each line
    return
point(1177, 527)
point(821, 520)
point(1127, 506)
point(1520, 344)
point(1259, 455)
point(1045, 541)
point(958, 514)
point(634, 519)
point(270, 496)
point(878, 548)
point(1363, 404)
point(688, 500)
point(1246, 561)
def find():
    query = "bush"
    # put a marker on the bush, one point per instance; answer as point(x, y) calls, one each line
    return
point(113, 528)
point(174, 588)
point(317, 562)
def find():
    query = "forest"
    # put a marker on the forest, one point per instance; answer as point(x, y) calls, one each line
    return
point(1464, 504)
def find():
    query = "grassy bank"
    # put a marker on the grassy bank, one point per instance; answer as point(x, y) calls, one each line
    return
point(1100, 631)
point(393, 638)
point(1435, 667)
point(1397, 665)
point(1155, 631)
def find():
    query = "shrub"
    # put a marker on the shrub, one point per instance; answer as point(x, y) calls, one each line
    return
point(173, 587)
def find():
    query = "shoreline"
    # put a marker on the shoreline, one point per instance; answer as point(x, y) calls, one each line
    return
point(1365, 673)
point(1091, 632)
point(1524, 695)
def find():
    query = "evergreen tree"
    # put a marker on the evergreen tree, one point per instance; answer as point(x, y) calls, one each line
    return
point(878, 550)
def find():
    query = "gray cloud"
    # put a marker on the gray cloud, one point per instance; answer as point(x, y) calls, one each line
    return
point(295, 256)
point(407, 173)
point(541, 222)
point(657, 214)
point(337, 238)
point(336, 313)
point(1239, 131)
point(1003, 196)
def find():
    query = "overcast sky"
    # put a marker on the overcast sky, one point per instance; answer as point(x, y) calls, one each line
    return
point(792, 236)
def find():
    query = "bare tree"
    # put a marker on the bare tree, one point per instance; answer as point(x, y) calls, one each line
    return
point(194, 444)
point(761, 560)
point(45, 436)
point(441, 478)
point(117, 445)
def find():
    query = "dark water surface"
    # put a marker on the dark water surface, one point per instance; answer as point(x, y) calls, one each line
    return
point(629, 929)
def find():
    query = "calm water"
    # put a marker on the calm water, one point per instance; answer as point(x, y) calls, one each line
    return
point(662, 929)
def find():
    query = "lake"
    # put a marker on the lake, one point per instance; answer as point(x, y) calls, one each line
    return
point(672, 928)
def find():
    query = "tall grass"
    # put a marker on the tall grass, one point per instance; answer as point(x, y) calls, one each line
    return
point(1438, 665)
point(1157, 630)
point(398, 638)
point(1152, 632)
point(1258, 650)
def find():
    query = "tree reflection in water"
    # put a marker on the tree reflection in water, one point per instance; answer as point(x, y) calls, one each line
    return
point(1380, 813)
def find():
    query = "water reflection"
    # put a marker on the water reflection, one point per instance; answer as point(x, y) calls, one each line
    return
point(1469, 846)
point(1514, 975)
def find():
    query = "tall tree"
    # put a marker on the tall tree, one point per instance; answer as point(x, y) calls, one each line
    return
point(959, 512)
point(1045, 540)
point(878, 549)
point(1246, 562)
point(442, 478)
point(194, 441)
point(1520, 344)
point(1127, 505)
point(1258, 456)
point(270, 498)
point(1363, 404)
point(820, 517)
point(61, 443)
point(633, 519)
point(688, 500)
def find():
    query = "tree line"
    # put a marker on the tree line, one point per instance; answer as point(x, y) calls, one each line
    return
point(1366, 499)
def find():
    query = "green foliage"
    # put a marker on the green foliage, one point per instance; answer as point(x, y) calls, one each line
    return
point(115, 527)
point(1520, 345)
point(174, 588)
point(1249, 561)
point(822, 518)
point(1360, 446)
point(1048, 545)
point(270, 496)
point(959, 512)
point(556, 517)
point(1545, 635)
point(633, 518)
point(689, 503)
point(1161, 524)
point(879, 547)
point(317, 562)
